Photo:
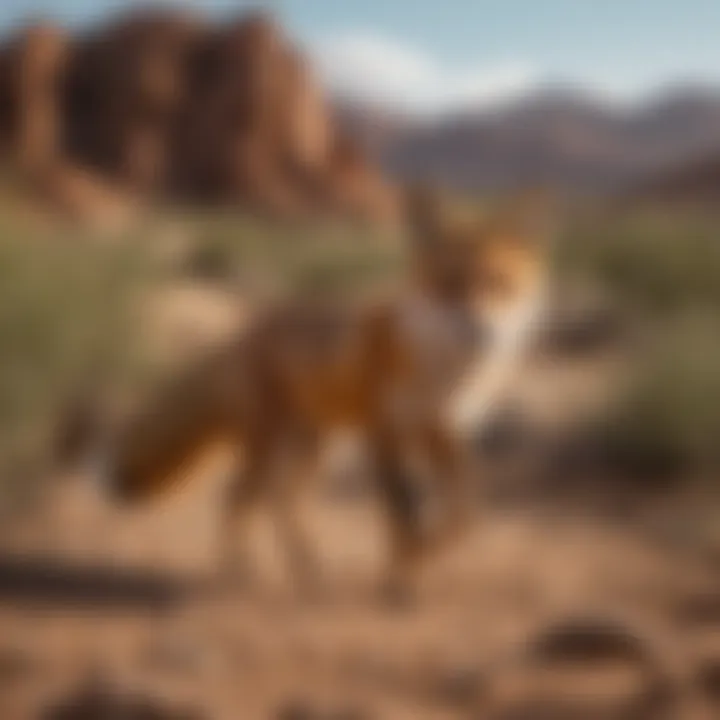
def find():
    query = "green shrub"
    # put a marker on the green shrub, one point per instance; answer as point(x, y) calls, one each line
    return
point(667, 422)
point(64, 313)
point(653, 265)
point(661, 270)
point(321, 257)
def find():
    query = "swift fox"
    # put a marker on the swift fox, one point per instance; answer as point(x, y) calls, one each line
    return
point(402, 370)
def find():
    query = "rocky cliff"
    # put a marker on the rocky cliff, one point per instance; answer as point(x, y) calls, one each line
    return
point(168, 107)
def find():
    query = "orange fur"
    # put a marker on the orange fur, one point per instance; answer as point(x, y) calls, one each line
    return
point(387, 368)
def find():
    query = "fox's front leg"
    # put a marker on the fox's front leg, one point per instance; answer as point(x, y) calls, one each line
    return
point(401, 504)
point(451, 466)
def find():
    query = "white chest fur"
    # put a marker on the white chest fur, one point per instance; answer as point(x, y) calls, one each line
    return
point(508, 333)
point(463, 360)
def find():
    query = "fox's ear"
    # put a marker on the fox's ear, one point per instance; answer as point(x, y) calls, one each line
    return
point(423, 212)
point(531, 216)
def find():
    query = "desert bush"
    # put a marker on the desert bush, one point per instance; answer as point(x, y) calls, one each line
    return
point(64, 314)
point(666, 423)
point(250, 253)
point(653, 264)
point(660, 270)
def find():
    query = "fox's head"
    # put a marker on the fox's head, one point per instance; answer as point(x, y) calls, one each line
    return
point(494, 266)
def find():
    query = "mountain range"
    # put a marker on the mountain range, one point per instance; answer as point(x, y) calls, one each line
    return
point(559, 136)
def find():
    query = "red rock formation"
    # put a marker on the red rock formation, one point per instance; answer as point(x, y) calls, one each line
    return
point(31, 70)
point(125, 85)
point(170, 108)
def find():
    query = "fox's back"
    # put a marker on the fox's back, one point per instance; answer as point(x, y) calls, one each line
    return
point(351, 364)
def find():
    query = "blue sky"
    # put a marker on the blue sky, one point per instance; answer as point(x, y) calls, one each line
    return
point(433, 54)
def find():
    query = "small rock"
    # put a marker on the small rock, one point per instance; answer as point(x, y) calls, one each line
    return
point(588, 640)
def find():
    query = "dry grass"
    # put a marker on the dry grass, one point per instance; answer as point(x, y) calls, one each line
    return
point(661, 270)
point(74, 306)
point(64, 314)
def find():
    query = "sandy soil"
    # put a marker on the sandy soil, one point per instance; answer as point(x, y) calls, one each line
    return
point(537, 614)
point(465, 649)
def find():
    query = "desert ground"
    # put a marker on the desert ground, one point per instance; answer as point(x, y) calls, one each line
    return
point(556, 604)
point(161, 177)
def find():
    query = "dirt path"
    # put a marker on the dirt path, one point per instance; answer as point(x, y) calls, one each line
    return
point(534, 616)
point(462, 652)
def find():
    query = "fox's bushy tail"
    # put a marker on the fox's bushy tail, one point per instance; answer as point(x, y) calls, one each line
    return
point(149, 450)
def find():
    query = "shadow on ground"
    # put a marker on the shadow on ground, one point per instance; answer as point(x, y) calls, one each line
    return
point(41, 581)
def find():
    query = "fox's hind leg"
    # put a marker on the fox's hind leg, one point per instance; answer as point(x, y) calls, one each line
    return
point(244, 494)
point(298, 464)
point(275, 470)
point(450, 466)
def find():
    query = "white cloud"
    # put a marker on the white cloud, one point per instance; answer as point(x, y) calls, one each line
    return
point(375, 69)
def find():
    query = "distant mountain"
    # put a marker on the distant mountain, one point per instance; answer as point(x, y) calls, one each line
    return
point(694, 181)
point(559, 136)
